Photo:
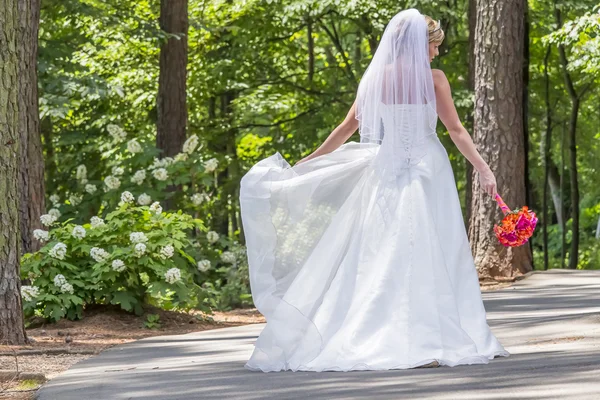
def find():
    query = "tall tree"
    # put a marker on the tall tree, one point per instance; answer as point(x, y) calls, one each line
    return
point(498, 131)
point(526, 138)
point(12, 330)
point(32, 162)
point(171, 103)
point(575, 96)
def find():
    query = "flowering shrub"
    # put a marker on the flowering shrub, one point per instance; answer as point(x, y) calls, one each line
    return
point(136, 255)
point(130, 167)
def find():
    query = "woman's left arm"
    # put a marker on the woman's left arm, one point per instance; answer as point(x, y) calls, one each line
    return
point(337, 137)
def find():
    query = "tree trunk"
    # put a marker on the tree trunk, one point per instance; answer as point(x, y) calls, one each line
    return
point(12, 329)
point(573, 180)
point(573, 174)
point(528, 193)
point(546, 155)
point(498, 132)
point(171, 102)
point(32, 162)
point(563, 226)
point(472, 11)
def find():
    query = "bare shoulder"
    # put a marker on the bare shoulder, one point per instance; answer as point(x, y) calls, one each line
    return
point(439, 77)
point(440, 81)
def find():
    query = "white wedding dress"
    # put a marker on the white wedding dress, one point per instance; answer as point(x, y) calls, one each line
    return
point(359, 259)
point(357, 268)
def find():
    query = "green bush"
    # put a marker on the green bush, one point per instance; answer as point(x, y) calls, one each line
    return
point(136, 255)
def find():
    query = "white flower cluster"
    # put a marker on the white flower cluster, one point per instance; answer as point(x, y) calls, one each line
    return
point(160, 174)
point(228, 257)
point(211, 165)
point(59, 251)
point(138, 237)
point(55, 199)
point(181, 157)
point(81, 173)
point(167, 252)
point(138, 177)
point(190, 144)
point(78, 232)
point(156, 208)
point(91, 189)
point(116, 132)
point(111, 182)
point(67, 288)
point(127, 197)
point(96, 222)
point(41, 235)
point(161, 163)
point(173, 275)
point(99, 255)
point(203, 265)
point(29, 292)
point(144, 199)
point(61, 282)
point(133, 146)
point(47, 219)
point(212, 236)
point(118, 265)
point(117, 171)
point(75, 199)
point(139, 249)
point(199, 198)
point(55, 213)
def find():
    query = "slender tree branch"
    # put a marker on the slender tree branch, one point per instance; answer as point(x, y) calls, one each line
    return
point(338, 45)
point(277, 123)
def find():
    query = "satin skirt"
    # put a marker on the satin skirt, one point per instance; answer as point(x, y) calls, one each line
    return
point(355, 268)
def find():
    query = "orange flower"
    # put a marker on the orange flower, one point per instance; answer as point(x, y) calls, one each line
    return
point(516, 227)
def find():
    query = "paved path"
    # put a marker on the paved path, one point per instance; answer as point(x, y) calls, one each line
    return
point(549, 322)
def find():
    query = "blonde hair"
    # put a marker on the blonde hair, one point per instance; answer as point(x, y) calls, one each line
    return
point(436, 34)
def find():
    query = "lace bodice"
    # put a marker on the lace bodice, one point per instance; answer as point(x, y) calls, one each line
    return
point(411, 122)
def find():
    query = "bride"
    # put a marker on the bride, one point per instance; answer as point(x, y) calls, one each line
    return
point(358, 254)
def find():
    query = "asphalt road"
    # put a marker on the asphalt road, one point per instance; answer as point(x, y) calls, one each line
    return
point(549, 322)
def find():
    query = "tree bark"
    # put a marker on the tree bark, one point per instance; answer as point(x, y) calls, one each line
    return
point(32, 162)
point(472, 11)
point(171, 103)
point(498, 132)
point(12, 329)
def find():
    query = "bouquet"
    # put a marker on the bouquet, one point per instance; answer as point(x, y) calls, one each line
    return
point(516, 227)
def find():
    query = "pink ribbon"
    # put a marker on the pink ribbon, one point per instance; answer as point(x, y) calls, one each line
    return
point(502, 204)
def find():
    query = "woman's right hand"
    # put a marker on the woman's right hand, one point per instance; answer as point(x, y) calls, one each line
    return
point(302, 160)
point(487, 181)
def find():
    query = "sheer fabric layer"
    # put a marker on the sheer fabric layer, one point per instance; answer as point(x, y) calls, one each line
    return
point(356, 267)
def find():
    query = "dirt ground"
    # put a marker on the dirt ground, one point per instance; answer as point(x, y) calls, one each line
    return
point(65, 343)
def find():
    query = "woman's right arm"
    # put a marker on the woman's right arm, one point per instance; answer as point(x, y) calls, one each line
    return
point(459, 135)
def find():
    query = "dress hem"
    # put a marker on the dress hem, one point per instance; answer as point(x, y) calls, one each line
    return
point(480, 359)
